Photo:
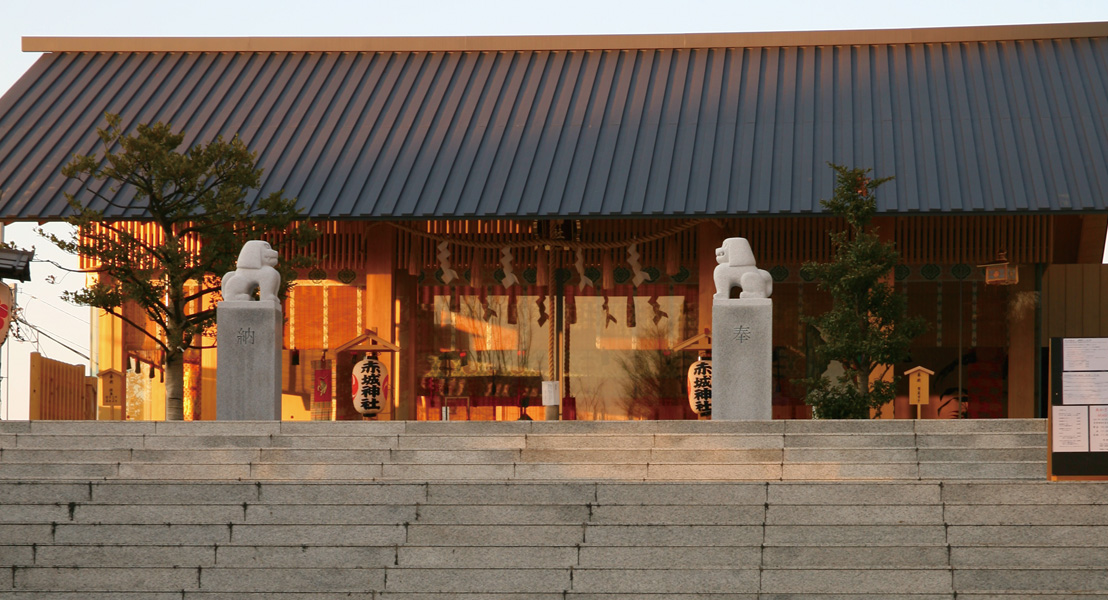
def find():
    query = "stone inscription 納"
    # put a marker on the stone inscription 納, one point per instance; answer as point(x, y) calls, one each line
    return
point(245, 336)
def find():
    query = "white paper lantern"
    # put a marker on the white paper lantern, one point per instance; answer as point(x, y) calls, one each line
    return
point(700, 387)
point(369, 386)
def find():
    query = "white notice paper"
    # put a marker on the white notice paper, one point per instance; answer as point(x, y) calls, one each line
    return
point(1069, 428)
point(1085, 354)
point(550, 394)
point(1098, 429)
point(1085, 387)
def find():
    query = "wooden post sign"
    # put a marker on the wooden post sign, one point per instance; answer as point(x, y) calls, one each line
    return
point(1078, 418)
point(919, 387)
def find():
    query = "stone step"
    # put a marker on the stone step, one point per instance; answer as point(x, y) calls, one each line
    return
point(373, 439)
point(523, 471)
point(753, 511)
point(630, 549)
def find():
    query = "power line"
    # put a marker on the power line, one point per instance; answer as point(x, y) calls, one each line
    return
point(57, 308)
point(43, 333)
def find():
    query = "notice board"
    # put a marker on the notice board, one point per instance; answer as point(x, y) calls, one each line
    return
point(1078, 418)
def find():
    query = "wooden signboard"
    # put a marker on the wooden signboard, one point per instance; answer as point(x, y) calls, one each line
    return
point(919, 385)
point(1078, 418)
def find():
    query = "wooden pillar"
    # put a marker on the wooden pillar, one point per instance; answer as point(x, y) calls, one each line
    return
point(379, 313)
point(709, 236)
point(406, 290)
point(207, 399)
point(1021, 347)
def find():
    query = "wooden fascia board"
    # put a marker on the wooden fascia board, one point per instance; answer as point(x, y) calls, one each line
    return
point(565, 42)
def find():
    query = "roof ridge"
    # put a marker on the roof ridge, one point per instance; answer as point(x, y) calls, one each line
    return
point(567, 42)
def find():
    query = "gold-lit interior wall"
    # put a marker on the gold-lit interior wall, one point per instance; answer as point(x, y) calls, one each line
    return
point(328, 304)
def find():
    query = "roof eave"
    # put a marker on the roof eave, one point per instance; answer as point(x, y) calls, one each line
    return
point(565, 42)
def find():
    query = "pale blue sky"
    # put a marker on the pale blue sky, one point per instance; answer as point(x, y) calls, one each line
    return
point(427, 18)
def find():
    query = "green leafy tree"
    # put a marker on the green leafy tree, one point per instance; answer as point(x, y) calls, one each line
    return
point(195, 199)
point(867, 329)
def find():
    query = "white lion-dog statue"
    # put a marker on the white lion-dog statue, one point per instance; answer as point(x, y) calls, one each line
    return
point(737, 267)
point(254, 270)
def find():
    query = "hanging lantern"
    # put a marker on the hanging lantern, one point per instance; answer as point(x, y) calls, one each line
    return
point(369, 385)
point(7, 308)
point(700, 387)
point(1000, 272)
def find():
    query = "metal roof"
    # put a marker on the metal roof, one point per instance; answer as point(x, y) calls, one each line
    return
point(1014, 124)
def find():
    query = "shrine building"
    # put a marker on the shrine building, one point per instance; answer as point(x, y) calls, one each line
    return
point(501, 211)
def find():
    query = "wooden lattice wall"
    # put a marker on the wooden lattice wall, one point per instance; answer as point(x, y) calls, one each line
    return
point(775, 240)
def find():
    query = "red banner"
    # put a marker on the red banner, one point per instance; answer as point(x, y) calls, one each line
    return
point(321, 392)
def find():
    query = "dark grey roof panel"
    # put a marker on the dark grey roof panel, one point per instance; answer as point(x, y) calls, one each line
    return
point(998, 126)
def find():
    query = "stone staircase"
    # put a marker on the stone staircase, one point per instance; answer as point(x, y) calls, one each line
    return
point(543, 510)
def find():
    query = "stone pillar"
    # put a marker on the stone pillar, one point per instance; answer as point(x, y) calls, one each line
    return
point(248, 378)
point(249, 334)
point(742, 336)
point(742, 359)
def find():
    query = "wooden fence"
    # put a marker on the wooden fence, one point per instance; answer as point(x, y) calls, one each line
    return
point(61, 391)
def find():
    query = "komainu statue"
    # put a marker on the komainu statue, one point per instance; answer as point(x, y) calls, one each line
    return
point(737, 267)
point(254, 270)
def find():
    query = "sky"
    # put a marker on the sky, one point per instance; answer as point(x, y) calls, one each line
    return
point(118, 18)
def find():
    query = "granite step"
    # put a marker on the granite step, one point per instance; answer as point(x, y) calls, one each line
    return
point(504, 451)
point(572, 539)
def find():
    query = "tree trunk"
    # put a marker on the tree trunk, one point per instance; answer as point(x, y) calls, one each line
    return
point(175, 387)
